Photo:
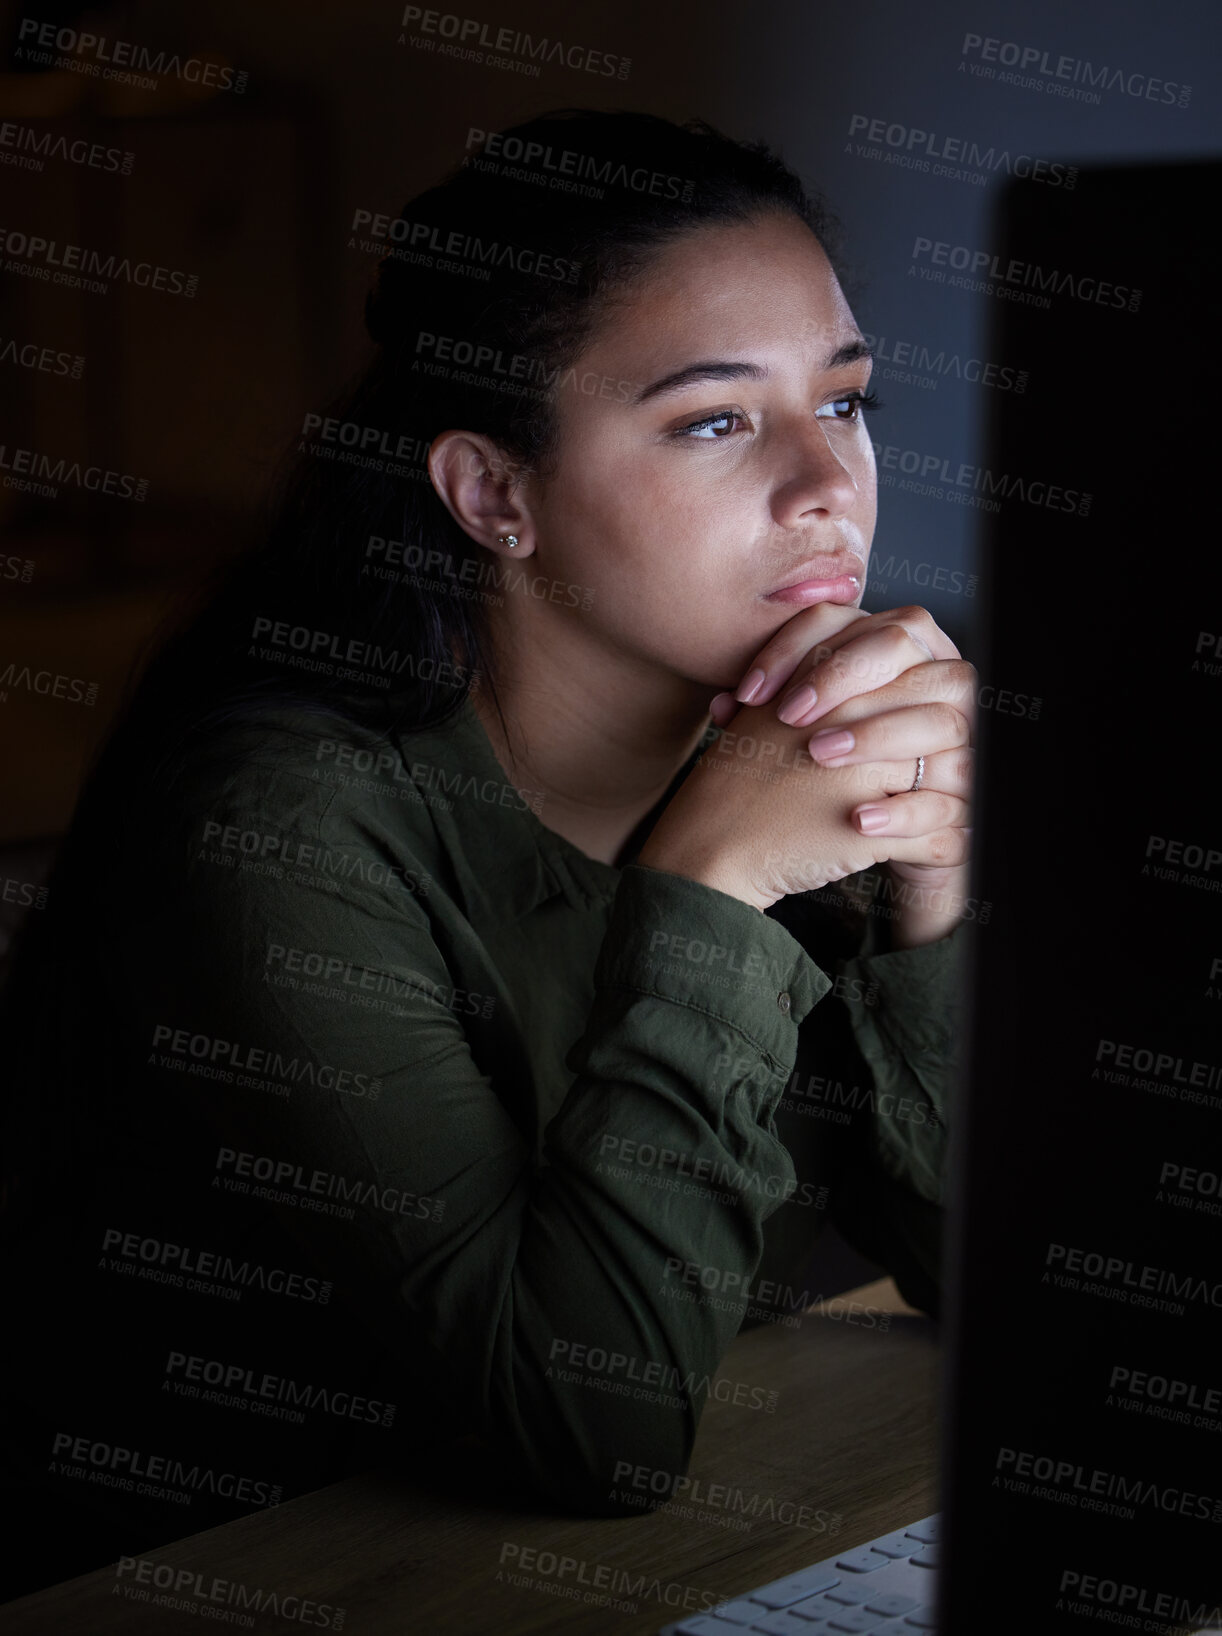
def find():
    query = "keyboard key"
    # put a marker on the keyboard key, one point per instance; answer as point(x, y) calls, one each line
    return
point(701, 1625)
point(921, 1618)
point(864, 1560)
point(778, 1624)
point(818, 1608)
point(855, 1619)
point(892, 1604)
point(783, 1593)
point(928, 1531)
point(899, 1544)
point(928, 1558)
point(848, 1595)
point(740, 1612)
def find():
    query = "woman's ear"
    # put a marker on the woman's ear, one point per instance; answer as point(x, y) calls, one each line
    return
point(479, 486)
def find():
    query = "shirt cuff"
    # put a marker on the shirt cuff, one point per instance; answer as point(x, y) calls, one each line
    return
point(910, 1029)
point(689, 943)
point(919, 992)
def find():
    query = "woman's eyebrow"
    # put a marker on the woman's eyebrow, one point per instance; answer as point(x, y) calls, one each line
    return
point(714, 370)
point(849, 352)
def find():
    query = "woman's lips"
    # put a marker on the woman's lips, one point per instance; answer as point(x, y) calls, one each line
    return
point(806, 592)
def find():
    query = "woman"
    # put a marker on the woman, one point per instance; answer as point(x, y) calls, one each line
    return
point(463, 1043)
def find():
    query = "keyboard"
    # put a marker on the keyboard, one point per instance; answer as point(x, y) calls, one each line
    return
point(888, 1587)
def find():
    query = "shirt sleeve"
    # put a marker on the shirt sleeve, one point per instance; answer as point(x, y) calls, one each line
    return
point(573, 1310)
point(906, 1011)
point(907, 1018)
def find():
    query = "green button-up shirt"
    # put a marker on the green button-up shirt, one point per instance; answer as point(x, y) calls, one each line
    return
point(551, 1129)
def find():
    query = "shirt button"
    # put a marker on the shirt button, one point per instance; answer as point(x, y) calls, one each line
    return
point(783, 1001)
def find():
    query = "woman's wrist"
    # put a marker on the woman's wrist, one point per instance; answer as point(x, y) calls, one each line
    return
point(708, 869)
point(931, 903)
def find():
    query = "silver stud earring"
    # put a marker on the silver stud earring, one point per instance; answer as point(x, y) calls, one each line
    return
point(508, 539)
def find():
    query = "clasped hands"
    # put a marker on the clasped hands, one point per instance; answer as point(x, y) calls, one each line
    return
point(878, 687)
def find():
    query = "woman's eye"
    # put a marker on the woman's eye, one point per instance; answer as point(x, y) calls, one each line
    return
point(711, 427)
point(849, 407)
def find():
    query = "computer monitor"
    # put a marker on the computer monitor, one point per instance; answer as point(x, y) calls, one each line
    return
point(1083, 1395)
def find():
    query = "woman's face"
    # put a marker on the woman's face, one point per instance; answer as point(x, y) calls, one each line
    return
point(688, 505)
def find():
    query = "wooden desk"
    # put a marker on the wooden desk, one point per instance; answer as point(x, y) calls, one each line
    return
point(853, 1434)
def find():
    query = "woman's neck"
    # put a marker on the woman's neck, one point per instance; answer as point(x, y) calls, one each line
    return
point(600, 735)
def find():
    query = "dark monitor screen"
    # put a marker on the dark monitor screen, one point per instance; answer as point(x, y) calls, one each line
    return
point(1084, 1465)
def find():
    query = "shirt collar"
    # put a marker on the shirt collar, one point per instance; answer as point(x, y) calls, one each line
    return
point(505, 860)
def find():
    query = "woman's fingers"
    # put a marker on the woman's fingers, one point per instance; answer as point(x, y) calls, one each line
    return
point(867, 662)
point(939, 849)
point(778, 658)
point(920, 730)
point(860, 660)
point(811, 631)
point(815, 635)
point(913, 815)
point(789, 664)
point(946, 772)
point(723, 709)
point(946, 687)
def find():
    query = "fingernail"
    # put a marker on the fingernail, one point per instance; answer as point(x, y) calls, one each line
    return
point(750, 686)
point(872, 819)
point(796, 705)
point(720, 703)
point(835, 742)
